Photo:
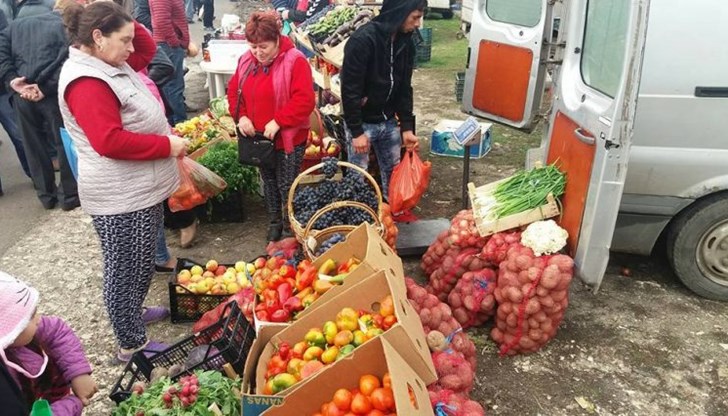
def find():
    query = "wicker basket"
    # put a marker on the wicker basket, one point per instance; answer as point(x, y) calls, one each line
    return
point(312, 238)
point(298, 228)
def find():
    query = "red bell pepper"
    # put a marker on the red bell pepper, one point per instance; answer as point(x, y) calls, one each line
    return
point(287, 271)
point(293, 304)
point(305, 278)
point(281, 315)
point(285, 291)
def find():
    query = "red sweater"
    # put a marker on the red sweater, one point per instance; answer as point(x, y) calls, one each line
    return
point(169, 23)
point(101, 122)
point(258, 91)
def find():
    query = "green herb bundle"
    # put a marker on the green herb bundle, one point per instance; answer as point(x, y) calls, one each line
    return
point(222, 158)
point(527, 190)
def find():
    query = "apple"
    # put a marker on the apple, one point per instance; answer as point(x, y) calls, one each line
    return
point(220, 270)
point(196, 270)
point(240, 266)
point(208, 274)
point(184, 274)
point(259, 263)
point(211, 265)
point(315, 139)
point(184, 279)
point(232, 288)
point(251, 269)
point(196, 278)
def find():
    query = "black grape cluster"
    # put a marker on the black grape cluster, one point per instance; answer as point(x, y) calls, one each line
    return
point(353, 187)
point(330, 166)
point(328, 243)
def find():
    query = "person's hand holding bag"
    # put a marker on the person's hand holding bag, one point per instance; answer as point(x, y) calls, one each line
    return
point(271, 129)
point(246, 126)
point(177, 146)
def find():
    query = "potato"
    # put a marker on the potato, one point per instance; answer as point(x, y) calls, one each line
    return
point(436, 341)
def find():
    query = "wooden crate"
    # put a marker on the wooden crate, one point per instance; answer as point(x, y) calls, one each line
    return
point(487, 227)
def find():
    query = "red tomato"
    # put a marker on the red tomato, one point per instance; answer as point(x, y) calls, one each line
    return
point(368, 383)
point(376, 412)
point(382, 399)
point(342, 399)
point(332, 410)
point(360, 404)
point(387, 381)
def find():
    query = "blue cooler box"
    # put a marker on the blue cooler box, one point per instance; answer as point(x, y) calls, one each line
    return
point(443, 142)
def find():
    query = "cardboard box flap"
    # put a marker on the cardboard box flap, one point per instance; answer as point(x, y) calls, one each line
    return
point(376, 357)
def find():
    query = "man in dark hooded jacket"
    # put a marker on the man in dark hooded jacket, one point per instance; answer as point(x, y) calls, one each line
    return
point(376, 86)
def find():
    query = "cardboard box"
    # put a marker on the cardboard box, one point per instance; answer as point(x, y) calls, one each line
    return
point(407, 335)
point(255, 404)
point(376, 357)
point(365, 244)
point(443, 142)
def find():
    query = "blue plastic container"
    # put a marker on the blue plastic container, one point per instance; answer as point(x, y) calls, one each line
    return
point(70, 149)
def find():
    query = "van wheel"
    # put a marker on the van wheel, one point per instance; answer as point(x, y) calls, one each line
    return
point(447, 14)
point(697, 247)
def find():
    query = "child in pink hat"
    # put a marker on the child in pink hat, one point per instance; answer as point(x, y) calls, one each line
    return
point(41, 353)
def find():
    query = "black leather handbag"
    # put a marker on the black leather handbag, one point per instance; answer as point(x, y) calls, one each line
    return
point(257, 150)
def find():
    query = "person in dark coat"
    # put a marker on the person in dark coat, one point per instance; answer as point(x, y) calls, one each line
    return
point(8, 117)
point(376, 86)
point(32, 52)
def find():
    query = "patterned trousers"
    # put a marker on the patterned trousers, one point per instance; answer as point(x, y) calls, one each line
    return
point(277, 181)
point(128, 244)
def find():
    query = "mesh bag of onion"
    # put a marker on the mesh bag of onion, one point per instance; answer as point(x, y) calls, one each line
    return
point(532, 295)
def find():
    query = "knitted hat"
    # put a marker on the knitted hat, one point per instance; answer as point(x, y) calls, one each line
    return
point(17, 307)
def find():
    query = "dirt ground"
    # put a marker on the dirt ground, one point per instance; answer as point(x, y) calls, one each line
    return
point(642, 345)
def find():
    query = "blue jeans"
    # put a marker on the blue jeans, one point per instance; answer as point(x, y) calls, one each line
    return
point(162, 256)
point(190, 10)
point(386, 141)
point(174, 89)
point(8, 120)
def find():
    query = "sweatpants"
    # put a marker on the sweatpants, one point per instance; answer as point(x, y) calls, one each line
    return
point(277, 181)
point(38, 142)
point(128, 243)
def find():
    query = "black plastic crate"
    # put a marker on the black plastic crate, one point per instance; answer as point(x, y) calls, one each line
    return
point(230, 209)
point(186, 306)
point(227, 341)
point(423, 52)
point(459, 86)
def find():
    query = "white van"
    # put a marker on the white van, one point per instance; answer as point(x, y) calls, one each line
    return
point(637, 84)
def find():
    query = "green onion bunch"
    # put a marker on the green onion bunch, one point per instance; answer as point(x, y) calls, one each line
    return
point(527, 190)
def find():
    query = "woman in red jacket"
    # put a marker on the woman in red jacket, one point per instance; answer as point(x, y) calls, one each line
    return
point(272, 92)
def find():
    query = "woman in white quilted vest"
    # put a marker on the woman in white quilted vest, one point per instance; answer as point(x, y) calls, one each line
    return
point(126, 157)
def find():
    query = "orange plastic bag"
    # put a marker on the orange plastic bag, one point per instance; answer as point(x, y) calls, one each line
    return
point(197, 185)
point(409, 181)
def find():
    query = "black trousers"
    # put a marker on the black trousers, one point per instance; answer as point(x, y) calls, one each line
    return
point(208, 12)
point(39, 145)
point(179, 219)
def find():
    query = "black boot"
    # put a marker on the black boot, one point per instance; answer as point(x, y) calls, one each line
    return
point(275, 228)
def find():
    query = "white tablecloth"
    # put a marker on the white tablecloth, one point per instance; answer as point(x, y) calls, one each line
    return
point(224, 56)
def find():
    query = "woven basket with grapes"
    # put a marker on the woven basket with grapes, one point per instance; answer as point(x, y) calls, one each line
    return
point(334, 206)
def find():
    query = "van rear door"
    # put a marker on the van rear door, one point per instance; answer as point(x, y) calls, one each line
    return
point(590, 125)
point(504, 78)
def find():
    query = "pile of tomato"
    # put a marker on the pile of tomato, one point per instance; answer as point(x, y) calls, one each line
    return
point(373, 397)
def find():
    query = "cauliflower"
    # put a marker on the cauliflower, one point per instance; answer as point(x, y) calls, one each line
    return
point(544, 237)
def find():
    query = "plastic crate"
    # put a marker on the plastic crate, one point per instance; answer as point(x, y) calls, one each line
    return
point(184, 305)
point(424, 52)
point(459, 86)
point(227, 341)
point(425, 35)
